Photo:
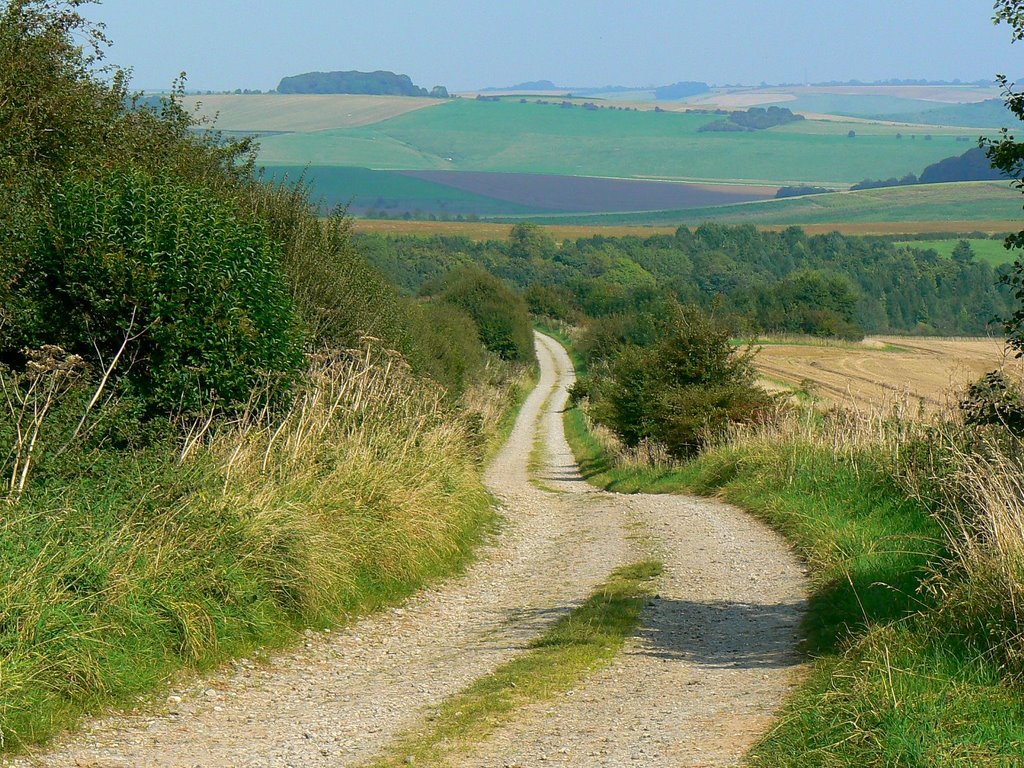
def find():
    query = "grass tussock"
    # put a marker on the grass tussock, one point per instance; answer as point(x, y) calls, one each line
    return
point(913, 532)
point(130, 553)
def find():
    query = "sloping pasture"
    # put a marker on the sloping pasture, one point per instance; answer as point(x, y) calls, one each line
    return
point(301, 113)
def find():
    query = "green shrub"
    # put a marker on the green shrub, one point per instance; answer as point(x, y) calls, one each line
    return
point(340, 297)
point(446, 344)
point(680, 391)
point(994, 400)
point(196, 287)
point(500, 314)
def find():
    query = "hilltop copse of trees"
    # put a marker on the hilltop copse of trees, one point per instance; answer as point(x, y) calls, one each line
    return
point(800, 190)
point(379, 83)
point(680, 90)
point(753, 119)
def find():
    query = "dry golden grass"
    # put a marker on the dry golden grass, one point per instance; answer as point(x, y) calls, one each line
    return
point(301, 112)
point(476, 230)
point(121, 568)
point(920, 372)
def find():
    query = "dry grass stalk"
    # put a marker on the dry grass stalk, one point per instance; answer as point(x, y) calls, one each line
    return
point(30, 397)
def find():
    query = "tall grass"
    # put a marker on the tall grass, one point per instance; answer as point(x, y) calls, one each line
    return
point(121, 564)
point(975, 484)
point(913, 532)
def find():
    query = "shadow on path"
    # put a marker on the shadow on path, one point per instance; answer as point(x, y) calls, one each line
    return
point(716, 633)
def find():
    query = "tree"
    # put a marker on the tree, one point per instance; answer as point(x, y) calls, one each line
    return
point(499, 312)
point(1007, 154)
point(963, 252)
point(681, 391)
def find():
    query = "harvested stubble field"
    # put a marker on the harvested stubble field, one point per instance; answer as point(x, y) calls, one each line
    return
point(300, 112)
point(483, 230)
point(914, 373)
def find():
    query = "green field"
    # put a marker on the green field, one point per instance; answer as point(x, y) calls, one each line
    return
point(981, 201)
point(986, 114)
point(854, 105)
point(513, 137)
point(985, 249)
point(346, 145)
point(393, 193)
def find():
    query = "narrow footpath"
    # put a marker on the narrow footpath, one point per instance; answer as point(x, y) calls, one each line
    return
point(712, 660)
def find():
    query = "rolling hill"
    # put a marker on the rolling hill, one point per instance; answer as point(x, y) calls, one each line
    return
point(361, 150)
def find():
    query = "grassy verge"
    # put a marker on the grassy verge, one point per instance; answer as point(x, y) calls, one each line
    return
point(890, 684)
point(586, 639)
point(784, 340)
point(121, 566)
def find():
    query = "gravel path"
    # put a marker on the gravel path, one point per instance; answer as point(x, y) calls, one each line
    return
point(697, 685)
point(714, 657)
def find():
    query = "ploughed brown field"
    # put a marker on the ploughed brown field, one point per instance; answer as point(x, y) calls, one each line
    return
point(882, 372)
point(587, 194)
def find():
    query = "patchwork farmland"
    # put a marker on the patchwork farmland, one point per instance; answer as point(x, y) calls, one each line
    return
point(531, 156)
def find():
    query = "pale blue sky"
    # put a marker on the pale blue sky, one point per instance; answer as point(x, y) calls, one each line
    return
point(467, 44)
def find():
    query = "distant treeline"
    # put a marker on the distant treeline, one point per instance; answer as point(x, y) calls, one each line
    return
point(379, 83)
point(531, 85)
point(672, 92)
point(827, 285)
point(753, 119)
point(972, 165)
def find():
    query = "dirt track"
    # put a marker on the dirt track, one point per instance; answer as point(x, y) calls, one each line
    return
point(700, 681)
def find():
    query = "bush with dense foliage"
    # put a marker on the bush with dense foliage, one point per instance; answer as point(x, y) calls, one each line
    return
point(120, 222)
point(500, 313)
point(680, 391)
point(195, 290)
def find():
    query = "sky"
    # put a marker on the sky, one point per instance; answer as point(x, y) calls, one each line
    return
point(470, 44)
